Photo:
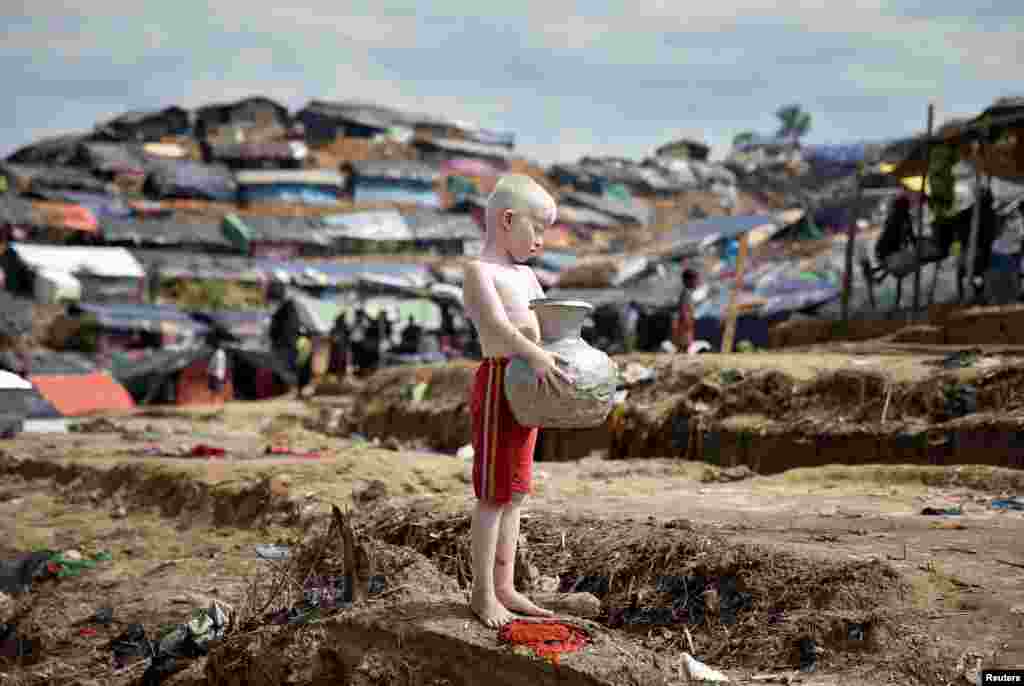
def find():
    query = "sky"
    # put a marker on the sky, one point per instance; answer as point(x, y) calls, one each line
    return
point(617, 78)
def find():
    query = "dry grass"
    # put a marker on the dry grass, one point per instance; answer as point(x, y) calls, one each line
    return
point(899, 476)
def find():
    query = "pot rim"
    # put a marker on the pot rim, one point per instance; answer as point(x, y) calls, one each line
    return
point(560, 302)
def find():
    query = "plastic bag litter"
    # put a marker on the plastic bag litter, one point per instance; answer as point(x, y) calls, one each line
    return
point(699, 672)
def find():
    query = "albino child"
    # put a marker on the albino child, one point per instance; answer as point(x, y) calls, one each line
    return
point(497, 291)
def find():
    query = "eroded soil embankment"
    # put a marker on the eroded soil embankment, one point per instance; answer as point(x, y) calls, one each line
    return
point(764, 418)
point(175, 494)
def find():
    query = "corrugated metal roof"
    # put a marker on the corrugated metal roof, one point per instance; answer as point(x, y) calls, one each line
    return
point(108, 262)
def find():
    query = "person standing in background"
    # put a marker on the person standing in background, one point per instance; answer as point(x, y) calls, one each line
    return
point(685, 326)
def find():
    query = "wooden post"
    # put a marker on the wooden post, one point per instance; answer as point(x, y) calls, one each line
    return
point(851, 241)
point(920, 207)
point(729, 331)
point(972, 243)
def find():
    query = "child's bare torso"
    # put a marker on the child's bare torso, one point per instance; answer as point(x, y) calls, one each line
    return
point(516, 286)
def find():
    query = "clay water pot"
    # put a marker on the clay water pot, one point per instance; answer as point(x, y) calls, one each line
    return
point(584, 403)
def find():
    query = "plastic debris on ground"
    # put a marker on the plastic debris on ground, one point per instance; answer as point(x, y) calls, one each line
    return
point(699, 672)
point(180, 642)
point(323, 594)
point(954, 510)
point(547, 640)
point(1015, 503)
point(203, 450)
point(289, 452)
point(273, 552)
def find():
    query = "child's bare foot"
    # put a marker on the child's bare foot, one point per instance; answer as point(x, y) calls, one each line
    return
point(489, 610)
point(517, 602)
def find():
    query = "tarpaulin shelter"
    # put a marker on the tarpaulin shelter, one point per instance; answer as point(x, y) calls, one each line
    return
point(305, 187)
point(173, 376)
point(325, 121)
point(372, 225)
point(23, 409)
point(166, 232)
point(55, 150)
point(180, 376)
point(693, 237)
point(30, 178)
point(300, 315)
point(400, 181)
point(440, 149)
point(583, 216)
point(66, 215)
point(626, 214)
point(279, 237)
point(105, 274)
point(103, 206)
point(259, 155)
point(112, 159)
point(122, 326)
point(256, 111)
point(76, 395)
point(15, 316)
point(172, 264)
point(145, 125)
point(181, 178)
point(17, 216)
point(685, 148)
point(238, 325)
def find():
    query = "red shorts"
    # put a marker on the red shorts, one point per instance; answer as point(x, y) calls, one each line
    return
point(502, 447)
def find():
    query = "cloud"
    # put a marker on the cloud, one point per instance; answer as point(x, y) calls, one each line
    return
point(619, 76)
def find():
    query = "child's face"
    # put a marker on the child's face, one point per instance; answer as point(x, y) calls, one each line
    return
point(524, 234)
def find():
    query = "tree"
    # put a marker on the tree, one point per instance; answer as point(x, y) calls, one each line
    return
point(794, 122)
point(742, 138)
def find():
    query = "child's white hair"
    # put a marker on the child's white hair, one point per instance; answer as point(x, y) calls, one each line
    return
point(520, 193)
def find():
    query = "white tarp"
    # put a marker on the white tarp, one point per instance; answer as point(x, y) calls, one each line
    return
point(103, 262)
point(51, 287)
point(12, 382)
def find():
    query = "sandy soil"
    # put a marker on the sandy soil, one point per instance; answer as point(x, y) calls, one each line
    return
point(206, 515)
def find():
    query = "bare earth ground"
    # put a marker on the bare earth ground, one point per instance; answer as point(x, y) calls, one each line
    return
point(181, 544)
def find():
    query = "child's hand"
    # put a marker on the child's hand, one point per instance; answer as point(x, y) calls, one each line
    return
point(545, 367)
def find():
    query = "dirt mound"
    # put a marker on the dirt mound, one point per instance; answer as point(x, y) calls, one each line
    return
point(745, 606)
point(260, 502)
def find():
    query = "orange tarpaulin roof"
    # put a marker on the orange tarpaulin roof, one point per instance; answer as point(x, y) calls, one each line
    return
point(80, 394)
point(67, 215)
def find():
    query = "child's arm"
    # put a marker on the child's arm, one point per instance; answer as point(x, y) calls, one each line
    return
point(479, 292)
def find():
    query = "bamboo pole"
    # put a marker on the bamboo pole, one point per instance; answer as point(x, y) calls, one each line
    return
point(920, 208)
point(729, 331)
point(972, 243)
point(851, 240)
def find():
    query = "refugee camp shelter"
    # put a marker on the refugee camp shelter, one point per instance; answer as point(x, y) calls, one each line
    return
point(17, 217)
point(253, 114)
point(71, 383)
point(438, 150)
point(52, 151)
point(388, 231)
point(16, 316)
point(171, 377)
point(121, 326)
point(30, 179)
point(326, 121)
point(398, 181)
point(167, 232)
point(321, 187)
point(55, 273)
point(145, 125)
point(300, 315)
point(23, 409)
point(258, 155)
point(189, 180)
point(685, 148)
point(279, 237)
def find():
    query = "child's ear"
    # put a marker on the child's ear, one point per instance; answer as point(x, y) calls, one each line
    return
point(506, 217)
